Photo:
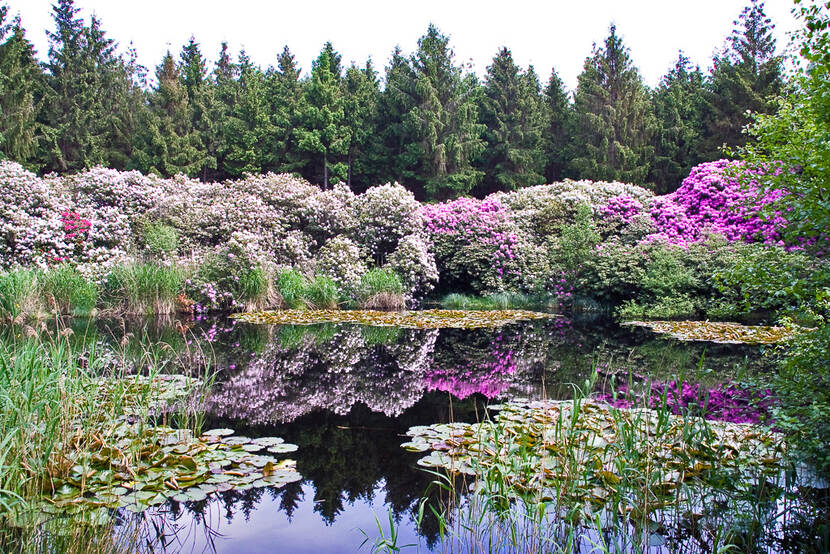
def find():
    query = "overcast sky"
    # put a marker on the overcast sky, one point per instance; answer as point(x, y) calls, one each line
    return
point(551, 33)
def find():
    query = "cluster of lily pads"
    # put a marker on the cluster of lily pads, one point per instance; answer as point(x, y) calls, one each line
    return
point(421, 319)
point(587, 455)
point(719, 331)
point(133, 463)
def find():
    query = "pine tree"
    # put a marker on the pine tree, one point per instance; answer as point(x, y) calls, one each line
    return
point(679, 108)
point(443, 120)
point(362, 89)
point(556, 135)
point(21, 86)
point(248, 126)
point(323, 132)
point(512, 111)
point(747, 76)
point(613, 121)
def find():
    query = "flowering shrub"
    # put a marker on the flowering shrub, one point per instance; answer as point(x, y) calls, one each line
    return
point(415, 265)
point(711, 200)
point(385, 215)
point(341, 259)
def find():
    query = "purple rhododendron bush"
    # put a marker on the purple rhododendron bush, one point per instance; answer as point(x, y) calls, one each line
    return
point(232, 239)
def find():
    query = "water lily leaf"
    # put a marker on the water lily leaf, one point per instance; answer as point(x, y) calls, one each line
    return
point(218, 433)
point(282, 448)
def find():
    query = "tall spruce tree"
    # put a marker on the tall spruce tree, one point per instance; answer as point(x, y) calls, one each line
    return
point(21, 87)
point(556, 134)
point(200, 100)
point(284, 95)
point(613, 119)
point(248, 127)
point(83, 111)
point(323, 133)
point(362, 89)
point(512, 111)
point(394, 150)
point(443, 120)
point(679, 106)
point(746, 76)
point(167, 143)
point(224, 89)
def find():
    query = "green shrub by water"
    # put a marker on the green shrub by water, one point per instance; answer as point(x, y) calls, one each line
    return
point(381, 289)
point(495, 301)
point(144, 288)
point(65, 291)
point(160, 239)
point(253, 285)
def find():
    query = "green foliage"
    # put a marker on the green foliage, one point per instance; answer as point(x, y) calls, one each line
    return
point(324, 133)
point(18, 294)
point(143, 288)
point(495, 301)
point(577, 242)
point(802, 384)
point(556, 134)
point(67, 292)
point(160, 239)
point(512, 111)
point(679, 107)
point(613, 121)
point(321, 293)
point(292, 287)
point(253, 284)
point(745, 79)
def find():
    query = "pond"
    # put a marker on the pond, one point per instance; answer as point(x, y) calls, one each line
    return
point(346, 395)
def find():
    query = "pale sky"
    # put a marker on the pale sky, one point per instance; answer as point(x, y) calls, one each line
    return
point(552, 33)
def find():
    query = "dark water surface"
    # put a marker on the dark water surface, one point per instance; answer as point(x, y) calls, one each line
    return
point(346, 394)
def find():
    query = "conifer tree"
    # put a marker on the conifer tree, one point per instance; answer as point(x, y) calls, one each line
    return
point(83, 109)
point(362, 89)
point(323, 133)
point(201, 100)
point(679, 104)
point(557, 131)
point(747, 76)
point(283, 94)
point(167, 144)
point(248, 127)
point(21, 87)
point(512, 111)
point(443, 120)
point(224, 92)
point(613, 119)
point(394, 150)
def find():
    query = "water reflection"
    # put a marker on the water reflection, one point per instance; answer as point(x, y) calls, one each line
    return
point(346, 394)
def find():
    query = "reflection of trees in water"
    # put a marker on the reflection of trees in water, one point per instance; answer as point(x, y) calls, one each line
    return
point(285, 382)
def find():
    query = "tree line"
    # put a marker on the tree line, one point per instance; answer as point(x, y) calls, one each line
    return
point(428, 122)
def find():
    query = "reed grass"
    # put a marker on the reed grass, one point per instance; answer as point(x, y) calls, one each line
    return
point(144, 288)
point(18, 295)
point(291, 285)
point(321, 293)
point(494, 301)
point(65, 291)
point(381, 289)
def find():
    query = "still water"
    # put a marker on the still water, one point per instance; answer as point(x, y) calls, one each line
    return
point(346, 394)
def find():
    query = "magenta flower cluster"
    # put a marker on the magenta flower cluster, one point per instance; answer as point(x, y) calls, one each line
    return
point(623, 207)
point(726, 403)
point(75, 228)
point(470, 221)
point(712, 200)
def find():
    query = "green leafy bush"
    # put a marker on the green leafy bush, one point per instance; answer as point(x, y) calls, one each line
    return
point(160, 239)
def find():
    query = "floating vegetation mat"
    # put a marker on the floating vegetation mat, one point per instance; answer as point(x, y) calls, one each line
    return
point(131, 463)
point(721, 332)
point(593, 455)
point(421, 319)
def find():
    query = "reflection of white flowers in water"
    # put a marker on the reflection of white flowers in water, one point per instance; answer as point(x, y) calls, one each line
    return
point(285, 383)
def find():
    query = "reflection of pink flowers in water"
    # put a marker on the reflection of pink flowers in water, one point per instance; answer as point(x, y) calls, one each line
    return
point(490, 378)
point(726, 403)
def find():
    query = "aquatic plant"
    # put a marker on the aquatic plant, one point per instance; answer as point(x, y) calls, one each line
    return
point(66, 291)
point(144, 288)
point(720, 331)
point(422, 319)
